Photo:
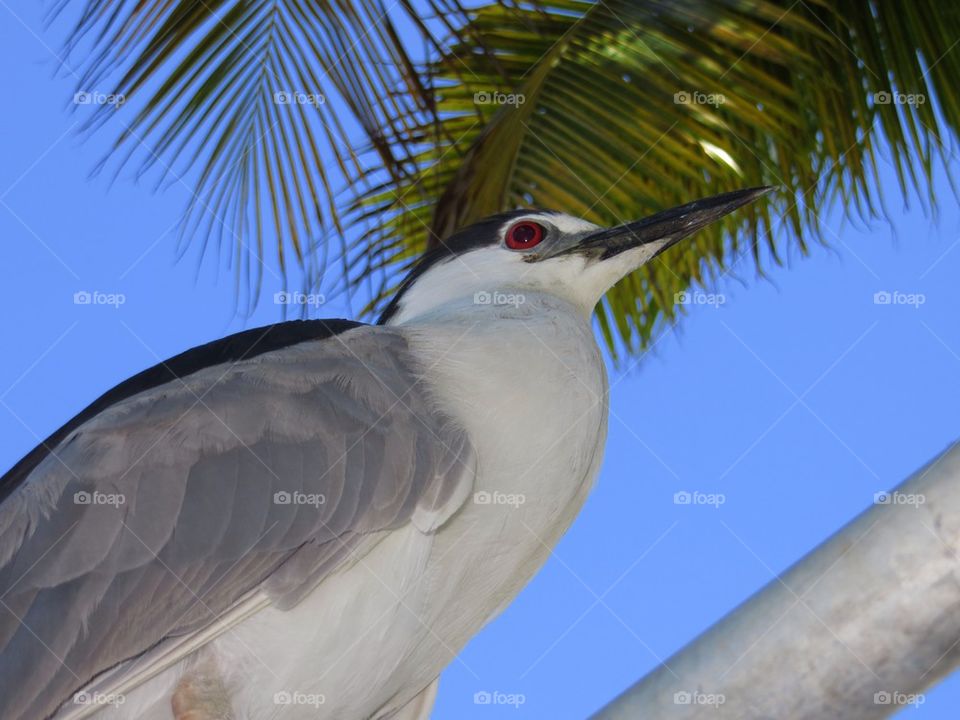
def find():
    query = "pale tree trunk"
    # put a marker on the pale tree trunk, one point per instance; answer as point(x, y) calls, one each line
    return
point(855, 630)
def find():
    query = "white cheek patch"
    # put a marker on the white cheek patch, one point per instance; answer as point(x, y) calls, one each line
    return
point(479, 271)
point(476, 277)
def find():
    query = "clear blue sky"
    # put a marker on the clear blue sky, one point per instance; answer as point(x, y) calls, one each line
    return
point(714, 408)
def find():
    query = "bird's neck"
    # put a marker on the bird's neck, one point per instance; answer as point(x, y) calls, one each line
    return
point(529, 386)
point(507, 303)
point(540, 344)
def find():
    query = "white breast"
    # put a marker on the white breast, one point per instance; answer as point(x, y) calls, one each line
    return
point(531, 390)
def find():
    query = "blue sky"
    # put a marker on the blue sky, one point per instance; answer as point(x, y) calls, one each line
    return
point(712, 408)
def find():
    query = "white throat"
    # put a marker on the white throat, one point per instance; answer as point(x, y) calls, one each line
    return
point(494, 276)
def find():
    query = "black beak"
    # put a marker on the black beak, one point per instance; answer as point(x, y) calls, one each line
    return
point(668, 227)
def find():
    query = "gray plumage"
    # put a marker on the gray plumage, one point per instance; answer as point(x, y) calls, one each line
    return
point(201, 525)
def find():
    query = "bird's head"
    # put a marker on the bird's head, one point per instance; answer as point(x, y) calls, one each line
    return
point(542, 251)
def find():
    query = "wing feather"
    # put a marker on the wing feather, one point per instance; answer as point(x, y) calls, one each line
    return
point(165, 510)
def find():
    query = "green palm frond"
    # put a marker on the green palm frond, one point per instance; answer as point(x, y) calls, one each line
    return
point(609, 110)
point(254, 95)
point(631, 107)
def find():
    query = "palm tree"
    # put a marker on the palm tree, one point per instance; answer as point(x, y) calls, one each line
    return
point(389, 124)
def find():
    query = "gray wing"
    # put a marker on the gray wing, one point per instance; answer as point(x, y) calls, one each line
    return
point(163, 510)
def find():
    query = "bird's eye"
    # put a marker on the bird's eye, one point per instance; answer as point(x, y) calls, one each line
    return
point(524, 235)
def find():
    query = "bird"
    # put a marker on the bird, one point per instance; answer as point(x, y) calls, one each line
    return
point(311, 519)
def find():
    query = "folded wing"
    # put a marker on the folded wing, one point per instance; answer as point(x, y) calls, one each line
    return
point(159, 512)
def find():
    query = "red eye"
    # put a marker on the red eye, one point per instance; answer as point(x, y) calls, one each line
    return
point(523, 235)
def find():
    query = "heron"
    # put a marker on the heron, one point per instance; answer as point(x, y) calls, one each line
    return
point(311, 519)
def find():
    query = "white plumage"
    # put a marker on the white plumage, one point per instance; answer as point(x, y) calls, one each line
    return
point(451, 447)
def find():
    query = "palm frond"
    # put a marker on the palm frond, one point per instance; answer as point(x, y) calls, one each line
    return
point(610, 110)
point(630, 107)
point(250, 100)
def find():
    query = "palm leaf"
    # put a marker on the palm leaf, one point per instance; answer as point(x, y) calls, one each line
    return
point(628, 107)
point(252, 97)
point(600, 134)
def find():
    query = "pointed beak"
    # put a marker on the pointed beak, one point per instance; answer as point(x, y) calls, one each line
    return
point(668, 227)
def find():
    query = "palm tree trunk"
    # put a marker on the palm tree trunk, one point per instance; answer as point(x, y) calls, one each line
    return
point(855, 630)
